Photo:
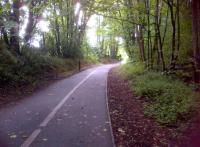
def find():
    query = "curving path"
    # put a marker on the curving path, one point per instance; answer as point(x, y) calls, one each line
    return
point(69, 113)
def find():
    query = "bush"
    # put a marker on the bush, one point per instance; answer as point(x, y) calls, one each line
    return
point(30, 67)
point(169, 99)
point(130, 70)
point(61, 65)
point(91, 59)
point(8, 65)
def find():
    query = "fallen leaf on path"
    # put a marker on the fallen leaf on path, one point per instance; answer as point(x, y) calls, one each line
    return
point(24, 136)
point(37, 113)
point(28, 112)
point(121, 130)
point(44, 139)
point(13, 136)
point(105, 130)
point(50, 94)
point(94, 116)
point(65, 114)
point(59, 119)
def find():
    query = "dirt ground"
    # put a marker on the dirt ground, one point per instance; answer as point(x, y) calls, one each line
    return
point(132, 128)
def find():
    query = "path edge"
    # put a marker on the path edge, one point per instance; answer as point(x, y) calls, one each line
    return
point(108, 112)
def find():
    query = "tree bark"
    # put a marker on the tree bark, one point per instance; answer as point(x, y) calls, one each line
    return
point(196, 38)
point(5, 36)
point(173, 22)
point(149, 50)
point(140, 40)
point(14, 31)
point(158, 35)
point(30, 25)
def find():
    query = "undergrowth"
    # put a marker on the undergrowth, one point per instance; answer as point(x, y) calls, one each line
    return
point(169, 100)
point(30, 67)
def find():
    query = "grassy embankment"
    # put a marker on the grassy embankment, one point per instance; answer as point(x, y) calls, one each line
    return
point(169, 100)
point(32, 67)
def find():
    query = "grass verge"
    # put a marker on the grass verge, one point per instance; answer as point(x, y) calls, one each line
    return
point(31, 67)
point(21, 75)
point(169, 100)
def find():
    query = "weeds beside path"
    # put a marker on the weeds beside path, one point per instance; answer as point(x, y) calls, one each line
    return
point(135, 124)
point(130, 126)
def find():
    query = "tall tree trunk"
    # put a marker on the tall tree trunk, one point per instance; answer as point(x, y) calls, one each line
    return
point(178, 28)
point(173, 22)
point(149, 50)
point(140, 40)
point(43, 40)
point(158, 34)
point(196, 38)
point(5, 36)
point(57, 32)
point(30, 24)
point(14, 31)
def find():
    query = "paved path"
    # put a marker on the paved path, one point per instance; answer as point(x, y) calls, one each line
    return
point(69, 113)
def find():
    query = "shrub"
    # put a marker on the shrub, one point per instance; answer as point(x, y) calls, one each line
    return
point(8, 64)
point(30, 67)
point(130, 70)
point(61, 65)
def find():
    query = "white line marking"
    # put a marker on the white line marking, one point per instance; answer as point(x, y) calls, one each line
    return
point(52, 114)
point(44, 123)
point(31, 138)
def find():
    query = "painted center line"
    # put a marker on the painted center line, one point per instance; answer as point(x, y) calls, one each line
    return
point(31, 138)
point(44, 123)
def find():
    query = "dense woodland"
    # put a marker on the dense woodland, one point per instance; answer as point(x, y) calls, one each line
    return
point(162, 34)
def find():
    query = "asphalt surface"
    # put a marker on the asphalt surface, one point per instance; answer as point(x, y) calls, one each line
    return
point(69, 113)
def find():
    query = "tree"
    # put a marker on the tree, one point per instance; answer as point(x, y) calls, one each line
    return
point(196, 38)
point(14, 31)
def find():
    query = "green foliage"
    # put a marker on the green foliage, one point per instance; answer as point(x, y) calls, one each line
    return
point(60, 64)
point(30, 67)
point(91, 59)
point(8, 64)
point(169, 99)
point(150, 84)
point(89, 53)
point(130, 70)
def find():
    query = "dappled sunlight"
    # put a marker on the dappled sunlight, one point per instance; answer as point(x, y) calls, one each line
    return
point(25, 12)
point(124, 56)
point(91, 30)
point(43, 26)
point(77, 8)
